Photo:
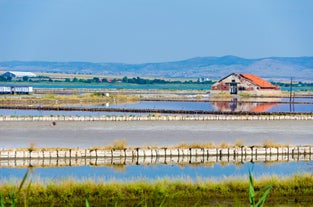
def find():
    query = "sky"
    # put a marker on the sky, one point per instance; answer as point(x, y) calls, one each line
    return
point(141, 31)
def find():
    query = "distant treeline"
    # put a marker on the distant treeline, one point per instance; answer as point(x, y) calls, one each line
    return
point(297, 84)
point(133, 80)
point(137, 80)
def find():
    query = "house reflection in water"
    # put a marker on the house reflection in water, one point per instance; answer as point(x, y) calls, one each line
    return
point(238, 106)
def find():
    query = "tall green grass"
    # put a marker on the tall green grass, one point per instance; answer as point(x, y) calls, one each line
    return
point(163, 192)
point(17, 194)
point(253, 195)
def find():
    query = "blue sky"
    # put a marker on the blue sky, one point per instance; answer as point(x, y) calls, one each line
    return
point(139, 31)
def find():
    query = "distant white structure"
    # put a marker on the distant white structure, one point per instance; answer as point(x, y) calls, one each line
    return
point(203, 79)
point(16, 89)
point(18, 74)
point(5, 90)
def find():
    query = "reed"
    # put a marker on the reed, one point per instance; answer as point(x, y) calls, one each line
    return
point(16, 194)
point(297, 189)
point(253, 195)
point(195, 145)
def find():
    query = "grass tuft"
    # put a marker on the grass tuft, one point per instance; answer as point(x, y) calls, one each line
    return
point(120, 144)
point(239, 143)
point(253, 196)
point(270, 144)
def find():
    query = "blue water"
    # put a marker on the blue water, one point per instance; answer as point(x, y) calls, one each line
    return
point(299, 99)
point(175, 105)
point(154, 172)
point(305, 108)
point(207, 106)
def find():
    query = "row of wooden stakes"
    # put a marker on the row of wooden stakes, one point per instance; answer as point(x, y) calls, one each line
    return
point(152, 152)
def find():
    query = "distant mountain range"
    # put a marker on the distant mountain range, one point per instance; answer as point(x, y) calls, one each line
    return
point(272, 68)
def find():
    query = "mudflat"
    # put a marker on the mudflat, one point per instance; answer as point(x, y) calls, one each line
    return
point(16, 134)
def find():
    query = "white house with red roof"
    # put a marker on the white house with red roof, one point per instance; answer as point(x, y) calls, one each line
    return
point(245, 83)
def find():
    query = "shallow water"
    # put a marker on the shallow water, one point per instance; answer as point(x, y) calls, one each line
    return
point(174, 105)
point(159, 171)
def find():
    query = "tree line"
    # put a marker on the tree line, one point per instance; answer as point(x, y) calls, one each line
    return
point(132, 80)
point(135, 80)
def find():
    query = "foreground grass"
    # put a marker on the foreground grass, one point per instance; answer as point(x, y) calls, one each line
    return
point(295, 190)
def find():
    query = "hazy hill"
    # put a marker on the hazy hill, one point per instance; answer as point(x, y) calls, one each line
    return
point(273, 68)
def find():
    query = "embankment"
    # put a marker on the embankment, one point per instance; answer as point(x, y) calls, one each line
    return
point(47, 157)
point(154, 117)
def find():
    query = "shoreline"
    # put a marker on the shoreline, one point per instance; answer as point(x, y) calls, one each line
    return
point(97, 156)
point(158, 117)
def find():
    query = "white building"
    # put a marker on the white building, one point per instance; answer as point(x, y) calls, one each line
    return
point(16, 89)
point(18, 74)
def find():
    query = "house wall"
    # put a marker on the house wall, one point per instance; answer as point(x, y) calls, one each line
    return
point(243, 84)
point(244, 87)
point(223, 85)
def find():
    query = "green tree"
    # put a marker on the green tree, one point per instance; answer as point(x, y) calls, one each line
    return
point(125, 79)
point(25, 78)
point(96, 79)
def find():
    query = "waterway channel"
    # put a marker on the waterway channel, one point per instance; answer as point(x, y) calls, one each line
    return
point(194, 172)
point(302, 105)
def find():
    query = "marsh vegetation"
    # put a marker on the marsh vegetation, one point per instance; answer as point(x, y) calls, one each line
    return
point(296, 190)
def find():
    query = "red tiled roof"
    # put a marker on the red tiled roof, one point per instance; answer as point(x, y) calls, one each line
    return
point(258, 81)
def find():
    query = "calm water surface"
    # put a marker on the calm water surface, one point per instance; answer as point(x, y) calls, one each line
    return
point(175, 105)
point(154, 172)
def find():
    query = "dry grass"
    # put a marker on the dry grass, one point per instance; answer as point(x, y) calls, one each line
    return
point(270, 144)
point(195, 145)
point(225, 145)
point(31, 147)
point(239, 143)
point(117, 145)
point(120, 144)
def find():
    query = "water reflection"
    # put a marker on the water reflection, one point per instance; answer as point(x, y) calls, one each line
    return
point(228, 104)
point(303, 105)
point(159, 171)
point(238, 106)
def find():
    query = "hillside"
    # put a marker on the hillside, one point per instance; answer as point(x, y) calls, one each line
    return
point(273, 68)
